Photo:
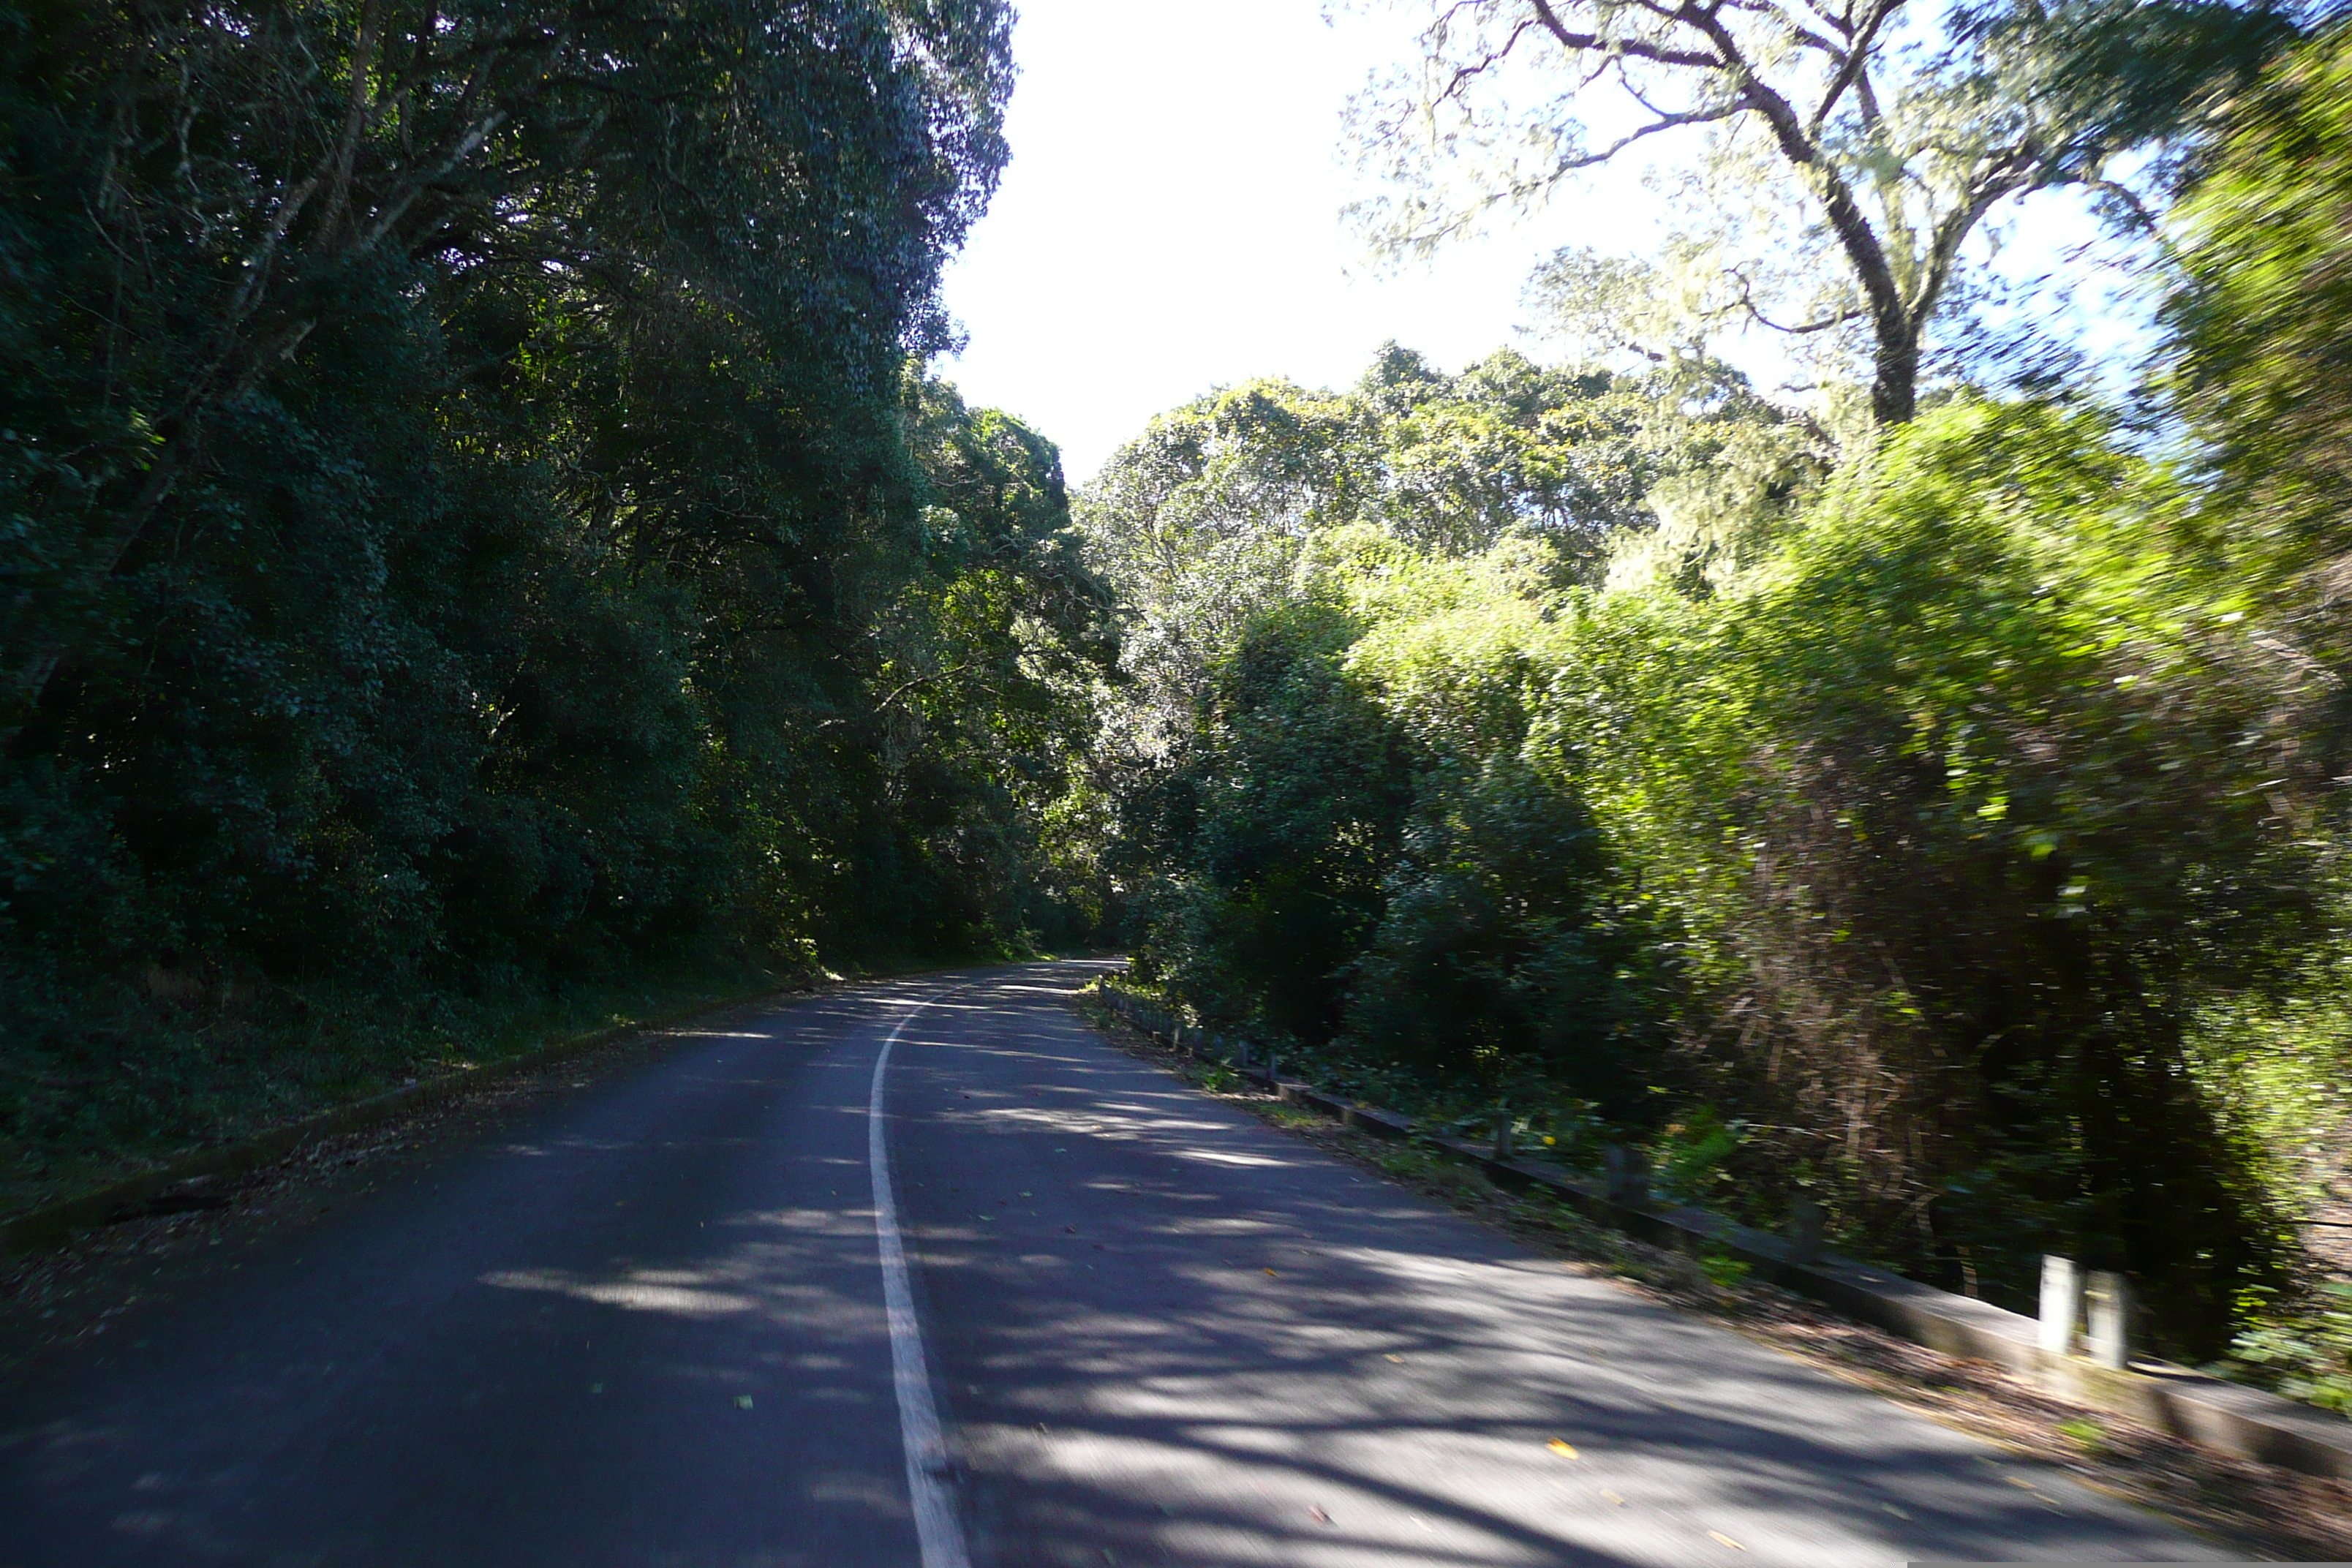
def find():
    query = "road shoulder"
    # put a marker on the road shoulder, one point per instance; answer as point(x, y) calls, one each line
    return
point(2257, 1509)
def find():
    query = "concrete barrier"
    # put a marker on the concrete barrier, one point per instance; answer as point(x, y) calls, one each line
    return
point(2226, 1416)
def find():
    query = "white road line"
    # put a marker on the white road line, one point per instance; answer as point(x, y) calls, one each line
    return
point(936, 1529)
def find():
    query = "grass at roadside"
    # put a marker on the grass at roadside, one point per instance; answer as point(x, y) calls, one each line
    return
point(209, 1071)
point(70, 1294)
point(212, 1069)
point(2253, 1508)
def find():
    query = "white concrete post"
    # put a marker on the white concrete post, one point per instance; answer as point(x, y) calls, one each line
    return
point(2061, 1303)
point(2108, 1301)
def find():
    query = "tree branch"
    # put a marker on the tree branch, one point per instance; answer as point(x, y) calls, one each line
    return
point(1464, 74)
point(1850, 71)
point(1747, 302)
point(1665, 122)
point(1893, 397)
point(1633, 47)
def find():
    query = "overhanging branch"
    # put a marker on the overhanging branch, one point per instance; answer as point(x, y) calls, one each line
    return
point(1635, 48)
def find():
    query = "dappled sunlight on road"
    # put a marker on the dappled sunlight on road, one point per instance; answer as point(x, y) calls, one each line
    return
point(1297, 1363)
point(684, 1292)
point(645, 1325)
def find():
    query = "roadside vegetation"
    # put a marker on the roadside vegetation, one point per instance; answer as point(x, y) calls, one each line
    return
point(482, 549)
point(1924, 801)
point(479, 551)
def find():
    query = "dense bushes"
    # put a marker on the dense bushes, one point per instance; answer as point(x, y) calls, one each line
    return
point(1504, 946)
point(1284, 822)
point(1960, 807)
point(1904, 865)
point(1945, 826)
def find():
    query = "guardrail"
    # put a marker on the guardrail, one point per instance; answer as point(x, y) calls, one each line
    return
point(2230, 1418)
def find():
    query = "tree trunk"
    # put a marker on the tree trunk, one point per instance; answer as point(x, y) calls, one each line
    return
point(1895, 373)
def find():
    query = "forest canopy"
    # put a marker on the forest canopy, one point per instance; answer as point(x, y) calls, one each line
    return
point(475, 524)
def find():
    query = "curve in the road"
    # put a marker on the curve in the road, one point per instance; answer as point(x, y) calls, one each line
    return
point(926, 1272)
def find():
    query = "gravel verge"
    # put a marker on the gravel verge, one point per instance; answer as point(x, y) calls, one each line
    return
point(2260, 1511)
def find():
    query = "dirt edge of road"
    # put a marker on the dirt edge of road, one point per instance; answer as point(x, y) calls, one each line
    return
point(2257, 1510)
point(68, 1294)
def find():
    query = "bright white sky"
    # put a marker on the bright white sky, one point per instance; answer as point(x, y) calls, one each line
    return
point(1169, 222)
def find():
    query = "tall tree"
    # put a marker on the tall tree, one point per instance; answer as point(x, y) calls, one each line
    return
point(1851, 146)
point(209, 185)
point(472, 517)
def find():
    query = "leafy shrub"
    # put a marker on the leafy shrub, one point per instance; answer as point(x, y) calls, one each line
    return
point(1918, 849)
point(1954, 804)
point(1725, 1270)
point(1690, 1158)
point(1277, 829)
point(2305, 1355)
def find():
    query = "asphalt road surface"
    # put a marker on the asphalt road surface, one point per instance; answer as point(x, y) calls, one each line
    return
point(682, 1318)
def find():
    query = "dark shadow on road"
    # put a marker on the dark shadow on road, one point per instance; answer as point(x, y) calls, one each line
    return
point(1176, 1336)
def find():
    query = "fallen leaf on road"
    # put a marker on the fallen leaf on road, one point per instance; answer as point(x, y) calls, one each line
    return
point(1719, 1538)
point(742, 1402)
point(1562, 1450)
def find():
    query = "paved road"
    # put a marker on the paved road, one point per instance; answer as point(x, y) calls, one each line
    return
point(652, 1325)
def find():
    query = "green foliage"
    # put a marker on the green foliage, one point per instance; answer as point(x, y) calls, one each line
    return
point(1725, 1270)
point(2084, 1433)
point(472, 526)
point(1689, 1158)
point(476, 534)
point(2264, 329)
point(2305, 1354)
point(1284, 820)
point(1957, 806)
point(1908, 862)
point(1952, 837)
point(1502, 952)
point(2130, 72)
point(1201, 521)
point(2275, 1063)
point(1343, 624)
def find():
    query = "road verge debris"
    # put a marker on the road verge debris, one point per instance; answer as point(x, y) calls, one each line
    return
point(2277, 1511)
